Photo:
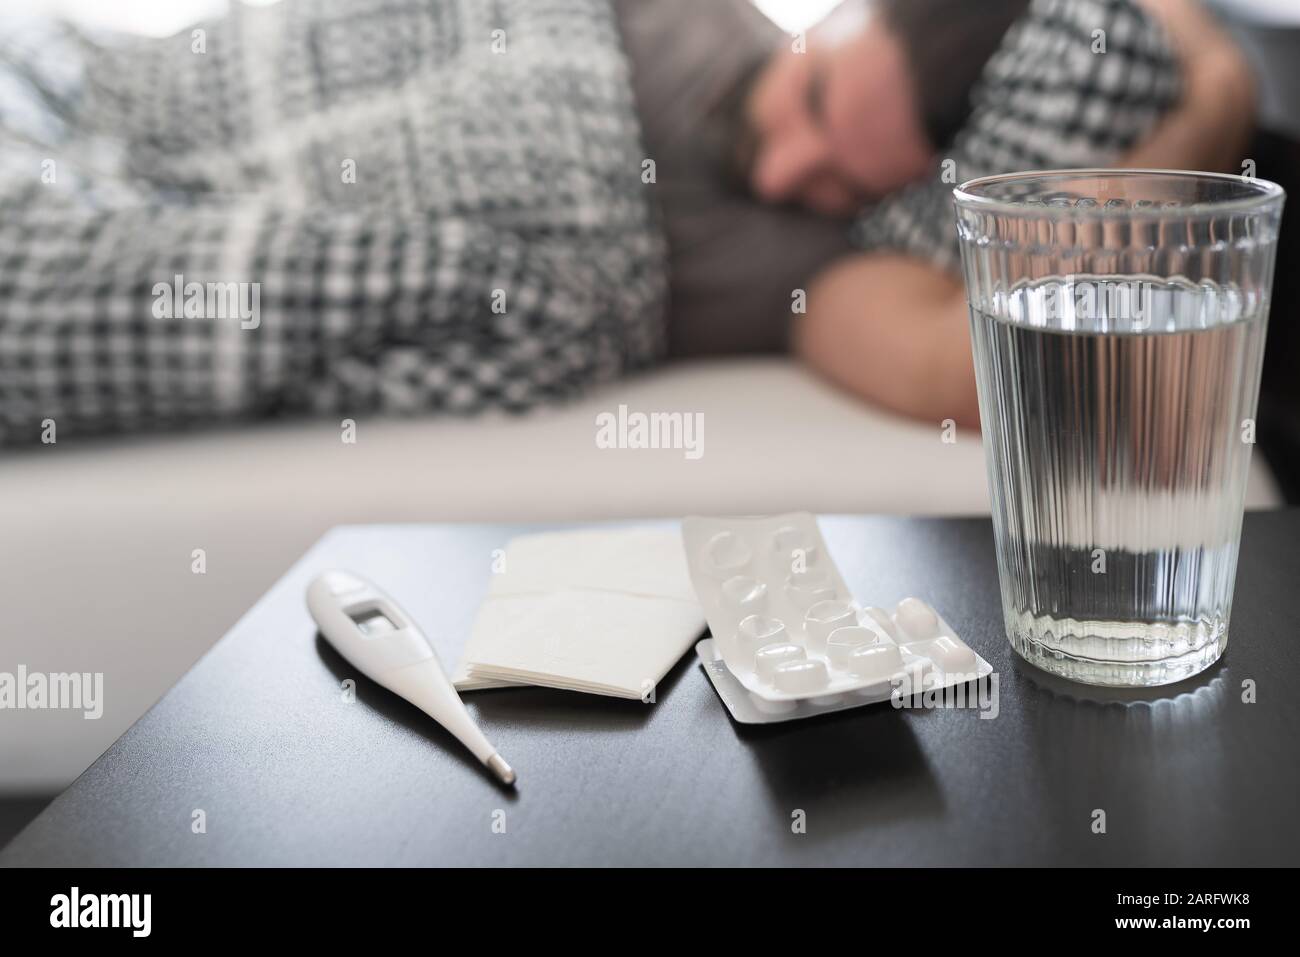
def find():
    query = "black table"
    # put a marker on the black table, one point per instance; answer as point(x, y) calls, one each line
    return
point(258, 737)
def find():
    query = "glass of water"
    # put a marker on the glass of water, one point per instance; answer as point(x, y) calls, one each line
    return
point(1118, 321)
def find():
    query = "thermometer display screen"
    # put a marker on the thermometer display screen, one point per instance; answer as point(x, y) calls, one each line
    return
point(372, 622)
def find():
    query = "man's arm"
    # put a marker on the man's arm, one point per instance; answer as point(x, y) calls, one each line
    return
point(892, 329)
point(1216, 116)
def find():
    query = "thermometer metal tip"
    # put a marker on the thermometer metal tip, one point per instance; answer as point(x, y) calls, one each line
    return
point(504, 772)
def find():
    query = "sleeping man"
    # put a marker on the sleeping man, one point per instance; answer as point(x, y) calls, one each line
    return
point(445, 205)
point(1074, 83)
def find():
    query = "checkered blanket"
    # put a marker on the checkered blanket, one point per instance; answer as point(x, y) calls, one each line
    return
point(1073, 84)
point(407, 205)
point(331, 205)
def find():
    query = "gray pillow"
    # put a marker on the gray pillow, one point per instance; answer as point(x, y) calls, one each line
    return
point(733, 262)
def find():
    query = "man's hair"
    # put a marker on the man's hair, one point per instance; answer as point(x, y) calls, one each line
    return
point(947, 44)
point(731, 138)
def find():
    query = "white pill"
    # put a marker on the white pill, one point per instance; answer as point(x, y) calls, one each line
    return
point(843, 640)
point(916, 619)
point(951, 657)
point(876, 662)
point(756, 631)
point(800, 677)
point(825, 617)
point(805, 598)
point(769, 656)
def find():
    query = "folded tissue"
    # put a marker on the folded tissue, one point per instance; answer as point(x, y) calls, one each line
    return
point(607, 612)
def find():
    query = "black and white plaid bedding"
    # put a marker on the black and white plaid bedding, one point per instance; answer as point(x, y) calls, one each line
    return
point(1073, 84)
point(496, 248)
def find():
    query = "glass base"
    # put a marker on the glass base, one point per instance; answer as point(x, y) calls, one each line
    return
point(1111, 655)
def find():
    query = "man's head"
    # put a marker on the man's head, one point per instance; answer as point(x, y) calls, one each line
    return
point(861, 108)
point(836, 124)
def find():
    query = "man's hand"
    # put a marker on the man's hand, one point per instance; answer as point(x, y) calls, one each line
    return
point(1211, 126)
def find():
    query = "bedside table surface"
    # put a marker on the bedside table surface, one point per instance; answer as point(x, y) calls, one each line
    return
point(258, 737)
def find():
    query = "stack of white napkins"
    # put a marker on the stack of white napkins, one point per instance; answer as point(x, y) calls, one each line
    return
point(606, 612)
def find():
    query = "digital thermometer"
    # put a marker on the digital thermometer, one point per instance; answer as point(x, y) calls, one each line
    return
point(381, 641)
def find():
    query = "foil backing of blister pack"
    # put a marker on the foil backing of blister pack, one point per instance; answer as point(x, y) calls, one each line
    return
point(788, 638)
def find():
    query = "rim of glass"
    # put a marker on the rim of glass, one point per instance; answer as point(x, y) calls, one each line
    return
point(1266, 193)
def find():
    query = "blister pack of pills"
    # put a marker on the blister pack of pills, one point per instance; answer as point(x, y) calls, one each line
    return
point(788, 640)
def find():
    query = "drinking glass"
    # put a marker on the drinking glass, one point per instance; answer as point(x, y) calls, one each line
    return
point(1118, 319)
